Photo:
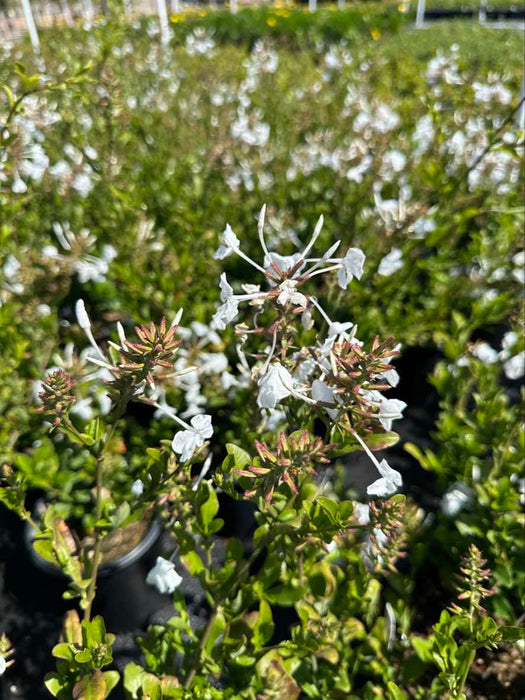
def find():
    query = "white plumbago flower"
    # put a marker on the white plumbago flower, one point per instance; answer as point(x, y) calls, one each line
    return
point(225, 313)
point(336, 329)
point(485, 353)
point(43, 310)
point(515, 367)
point(389, 482)
point(230, 242)
point(290, 295)
point(275, 419)
point(283, 262)
point(187, 441)
point(390, 620)
point(307, 321)
point(352, 266)
point(137, 488)
point(163, 576)
point(81, 314)
point(390, 410)
point(82, 408)
point(458, 496)
point(18, 186)
point(225, 287)
point(391, 263)
point(213, 362)
point(275, 385)
point(323, 393)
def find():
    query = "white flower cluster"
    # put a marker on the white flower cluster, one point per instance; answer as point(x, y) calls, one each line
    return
point(284, 276)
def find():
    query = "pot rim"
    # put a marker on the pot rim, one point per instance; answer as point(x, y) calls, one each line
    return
point(149, 539)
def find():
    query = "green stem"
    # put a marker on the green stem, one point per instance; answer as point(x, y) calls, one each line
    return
point(200, 649)
point(97, 555)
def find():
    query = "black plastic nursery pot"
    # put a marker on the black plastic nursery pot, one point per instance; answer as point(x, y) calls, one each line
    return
point(123, 597)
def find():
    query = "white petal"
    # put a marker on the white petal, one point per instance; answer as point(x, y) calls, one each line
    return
point(81, 313)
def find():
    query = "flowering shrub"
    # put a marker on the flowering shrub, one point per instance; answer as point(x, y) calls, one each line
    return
point(280, 391)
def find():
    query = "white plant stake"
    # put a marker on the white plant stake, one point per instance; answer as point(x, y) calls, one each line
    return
point(163, 19)
point(482, 15)
point(520, 114)
point(89, 10)
point(420, 15)
point(31, 27)
point(233, 6)
point(175, 7)
point(312, 5)
point(66, 12)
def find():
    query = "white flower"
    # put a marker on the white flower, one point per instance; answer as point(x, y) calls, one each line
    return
point(283, 262)
point(230, 242)
point(390, 410)
point(322, 392)
point(485, 353)
point(82, 408)
point(225, 313)
point(18, 186)
point(11, 267)
point(213, 362)
point(455, 499)
point(163, 576)
point(137, 488)
point(187, 441)
point(509, 340)
point(3, 665)
point(91, 269)
point(43, 310)
point(81, 314)
point(275, 419)
point(226, 288)
point(290, 295)
point(275, 385)
point(389, 483)
point(391, 263)
point(82, 183)
point(336, 328)
point(352, 266)
point(515, 367)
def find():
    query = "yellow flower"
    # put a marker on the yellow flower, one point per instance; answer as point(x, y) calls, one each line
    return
point(375, 34)
point(271, 21)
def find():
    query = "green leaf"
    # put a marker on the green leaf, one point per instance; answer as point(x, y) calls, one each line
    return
point(151, 687)
point(112, 678)
point(121, 514)
point(153, 453)
point(209, 508)
point(133, 674)
point(285, 594)
point(263, 629)
point(241, 457)
point(83, 656)
point(193, 563)
point(380, 441)
point(512, 634)
point(91, 687)
point(54, 684)
point(395, 693)
point(10, 96)
point(217, 628)
point(62, 651)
